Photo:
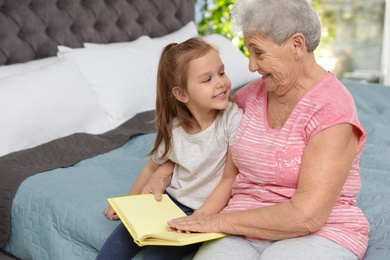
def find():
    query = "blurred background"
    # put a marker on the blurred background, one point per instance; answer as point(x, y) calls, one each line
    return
point(355, 36)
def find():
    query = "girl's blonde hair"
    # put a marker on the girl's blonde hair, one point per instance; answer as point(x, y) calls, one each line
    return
point(173, 71)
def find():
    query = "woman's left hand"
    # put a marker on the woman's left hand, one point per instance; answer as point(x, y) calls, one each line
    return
point(198, 223)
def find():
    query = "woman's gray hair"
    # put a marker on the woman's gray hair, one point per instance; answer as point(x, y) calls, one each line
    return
point(278, 19)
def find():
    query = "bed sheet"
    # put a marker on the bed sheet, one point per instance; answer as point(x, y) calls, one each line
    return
point(58, 214)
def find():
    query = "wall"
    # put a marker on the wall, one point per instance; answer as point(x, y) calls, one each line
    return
point(385, 69)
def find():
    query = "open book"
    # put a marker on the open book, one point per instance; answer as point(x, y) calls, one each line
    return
point(146, 220)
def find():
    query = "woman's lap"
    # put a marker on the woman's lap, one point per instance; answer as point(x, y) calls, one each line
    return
point(307, 247)
point(228, 248)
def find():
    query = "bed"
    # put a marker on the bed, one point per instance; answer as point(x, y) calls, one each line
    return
point(76, 100)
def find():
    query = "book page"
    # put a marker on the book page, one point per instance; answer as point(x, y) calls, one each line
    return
point(144, 215)
point(177, 239)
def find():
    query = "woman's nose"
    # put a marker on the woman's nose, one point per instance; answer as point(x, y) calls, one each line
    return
point(253, 66)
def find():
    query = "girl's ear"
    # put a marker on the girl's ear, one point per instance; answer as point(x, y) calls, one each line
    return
point(180, 95)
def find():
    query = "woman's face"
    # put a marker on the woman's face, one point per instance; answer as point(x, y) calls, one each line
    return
point(274, 62)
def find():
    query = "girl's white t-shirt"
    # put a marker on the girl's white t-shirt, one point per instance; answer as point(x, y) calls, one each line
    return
point(200, 158)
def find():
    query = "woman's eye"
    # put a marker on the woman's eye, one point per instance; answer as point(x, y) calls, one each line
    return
point(258, 52)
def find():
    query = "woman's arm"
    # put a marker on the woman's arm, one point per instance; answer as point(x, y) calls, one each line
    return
point(222, 192)
point(325, 166)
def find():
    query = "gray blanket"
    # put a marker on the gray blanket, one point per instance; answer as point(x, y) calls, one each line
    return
point(63, 152)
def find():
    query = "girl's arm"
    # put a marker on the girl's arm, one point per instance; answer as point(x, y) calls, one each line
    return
point(222, 193)
point(160, 180)
point(146, 173)
point(143, 177)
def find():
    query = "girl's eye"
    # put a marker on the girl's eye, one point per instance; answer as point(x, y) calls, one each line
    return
point(207, 79)
point(222, 73)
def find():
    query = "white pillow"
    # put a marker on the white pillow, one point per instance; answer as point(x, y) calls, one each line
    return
point(159, 43)
point(10, 70)
point(181, 35)
point(120, 78)
point(46, 104)
point(236, 63)
point(124, 75)
point(138, 43)
point(62, 48)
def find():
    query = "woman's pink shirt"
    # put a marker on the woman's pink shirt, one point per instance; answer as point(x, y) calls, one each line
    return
point(269, 160)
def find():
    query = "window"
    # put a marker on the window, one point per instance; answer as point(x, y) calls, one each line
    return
point(355, 41)
point(352, 38)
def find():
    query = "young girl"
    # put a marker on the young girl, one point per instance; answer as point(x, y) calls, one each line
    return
point(196, 125)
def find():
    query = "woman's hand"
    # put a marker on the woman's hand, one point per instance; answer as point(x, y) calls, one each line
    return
point(110, 213)
point(196, 223)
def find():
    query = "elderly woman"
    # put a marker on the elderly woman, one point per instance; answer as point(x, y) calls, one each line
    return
point(297, 149)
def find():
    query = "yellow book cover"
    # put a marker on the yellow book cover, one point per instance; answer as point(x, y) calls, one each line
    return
point(146, 220)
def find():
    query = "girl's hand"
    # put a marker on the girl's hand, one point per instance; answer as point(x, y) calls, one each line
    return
point(110, 213)
point(156, 185)
point(159, 181)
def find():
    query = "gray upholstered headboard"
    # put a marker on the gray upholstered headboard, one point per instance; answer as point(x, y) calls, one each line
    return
point(32, 29)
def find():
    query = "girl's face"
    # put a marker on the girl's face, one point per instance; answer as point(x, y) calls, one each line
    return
point(274, 62)
point(208, 86)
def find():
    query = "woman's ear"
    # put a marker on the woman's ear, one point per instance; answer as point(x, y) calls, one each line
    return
point(298, 40)
point(180, 94)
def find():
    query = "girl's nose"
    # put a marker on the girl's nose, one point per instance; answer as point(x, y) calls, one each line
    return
point(221, 82)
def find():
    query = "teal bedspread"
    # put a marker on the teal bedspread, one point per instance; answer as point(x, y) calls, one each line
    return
point(373, 104)
point(58, 214)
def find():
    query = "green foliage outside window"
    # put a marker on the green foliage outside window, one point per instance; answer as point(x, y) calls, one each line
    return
point(216, 19)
